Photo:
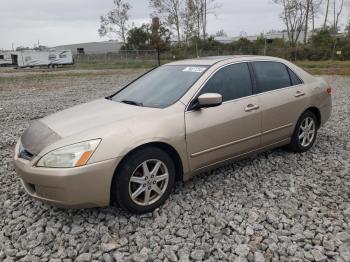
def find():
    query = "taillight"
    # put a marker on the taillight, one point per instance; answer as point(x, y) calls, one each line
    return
point(329, 90)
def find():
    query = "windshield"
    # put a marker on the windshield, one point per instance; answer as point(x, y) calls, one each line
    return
point(160, 87)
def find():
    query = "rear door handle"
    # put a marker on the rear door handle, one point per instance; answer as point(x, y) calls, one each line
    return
point(299, 94)
point(251, 107)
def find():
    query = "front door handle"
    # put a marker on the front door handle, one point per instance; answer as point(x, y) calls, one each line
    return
point(299, 94)
point(251, 107)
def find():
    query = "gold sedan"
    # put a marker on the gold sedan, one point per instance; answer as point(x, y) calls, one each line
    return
point(170, 124)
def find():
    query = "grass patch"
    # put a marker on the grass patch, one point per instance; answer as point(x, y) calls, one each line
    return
point(329, 71)
point(328, 67)
point(323, 64)
point(66, 73)
point(134, 64)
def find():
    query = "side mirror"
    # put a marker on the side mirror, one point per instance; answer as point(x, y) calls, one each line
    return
point(209, 100)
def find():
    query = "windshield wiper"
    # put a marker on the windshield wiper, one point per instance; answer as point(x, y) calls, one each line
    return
point(129, 102)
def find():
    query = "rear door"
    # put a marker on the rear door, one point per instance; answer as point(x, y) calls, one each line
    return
point(282, 98)
point(231, 129)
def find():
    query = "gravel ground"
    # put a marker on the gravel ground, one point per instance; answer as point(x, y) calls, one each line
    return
point(278, 206)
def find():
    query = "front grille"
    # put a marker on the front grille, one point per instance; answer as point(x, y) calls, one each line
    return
point(25, 154)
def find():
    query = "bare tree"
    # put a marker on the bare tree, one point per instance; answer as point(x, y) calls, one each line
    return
point(171, 10)
point(206, 7)
point(312, 7)
point(294, 16)
point(221, 33)
point(307, 16)
point(197, 11)
point(193, 17)
point(337, 13)
point(326, 15)
point(315, 10)
point(115, 22)
point(189, 21)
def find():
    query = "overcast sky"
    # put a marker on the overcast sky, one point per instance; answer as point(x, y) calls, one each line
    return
point(56, 22)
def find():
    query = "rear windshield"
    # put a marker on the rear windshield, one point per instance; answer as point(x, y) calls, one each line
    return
point(161, 87)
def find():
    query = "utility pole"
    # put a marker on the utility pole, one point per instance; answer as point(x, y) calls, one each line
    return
point(334, 21)
point(326, 16)
point(265, 44)
point(306, 28)
point(156, 37)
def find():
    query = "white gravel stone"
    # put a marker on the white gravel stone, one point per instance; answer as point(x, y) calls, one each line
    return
point(259, 257)
point(83, 257)
point(107, 247)
point(344, 251)
point(242, 250)
point(197, 254)
point(343, 236)
point(347, 212)
point(318, 256)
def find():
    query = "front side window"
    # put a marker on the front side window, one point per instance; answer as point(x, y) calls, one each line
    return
point(161, 87)
point(232, 82)
point(271, 75)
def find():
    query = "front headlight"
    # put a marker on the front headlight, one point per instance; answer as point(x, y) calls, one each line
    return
point(69, 156)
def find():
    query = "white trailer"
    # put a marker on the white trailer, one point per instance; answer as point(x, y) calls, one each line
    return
point(50, 59)
point(5, 59)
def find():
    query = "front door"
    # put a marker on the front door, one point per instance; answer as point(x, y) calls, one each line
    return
point(231, 129)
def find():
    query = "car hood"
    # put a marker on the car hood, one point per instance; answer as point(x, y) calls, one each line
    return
point(90, 115)
point(78, 119)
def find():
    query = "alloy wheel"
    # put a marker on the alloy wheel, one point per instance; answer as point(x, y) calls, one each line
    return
point(148, 182)
point(307, 132)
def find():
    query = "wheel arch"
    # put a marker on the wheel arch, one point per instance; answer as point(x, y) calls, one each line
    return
point(317, 113)
point(162, 145)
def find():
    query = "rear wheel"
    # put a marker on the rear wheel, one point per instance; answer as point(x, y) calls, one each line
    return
point(305, 133)
point(144, 180)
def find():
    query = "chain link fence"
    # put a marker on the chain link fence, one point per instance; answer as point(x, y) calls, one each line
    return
point(122, 59)
point(153, 58)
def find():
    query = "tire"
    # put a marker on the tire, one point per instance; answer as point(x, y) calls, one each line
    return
point(301, 143)
point(132, 182)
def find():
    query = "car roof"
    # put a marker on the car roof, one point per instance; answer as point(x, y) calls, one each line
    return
point(211, 60)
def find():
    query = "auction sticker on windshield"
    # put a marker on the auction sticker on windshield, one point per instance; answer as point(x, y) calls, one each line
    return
point(194, 69)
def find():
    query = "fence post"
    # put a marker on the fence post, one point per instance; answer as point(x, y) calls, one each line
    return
point(158, 56)
point(296, 52)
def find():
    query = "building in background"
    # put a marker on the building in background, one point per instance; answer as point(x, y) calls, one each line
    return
point(94, 48)
point(269, 36)
point(5, 58)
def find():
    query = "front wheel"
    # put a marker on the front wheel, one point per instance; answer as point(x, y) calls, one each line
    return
point(305, 133)
point(144, 180)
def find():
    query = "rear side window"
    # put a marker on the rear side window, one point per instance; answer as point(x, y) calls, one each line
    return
point(232, 82)
point(271, 75)
point(294, 78)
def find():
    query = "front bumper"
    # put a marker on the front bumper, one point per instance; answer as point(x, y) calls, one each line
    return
point(79, 187)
